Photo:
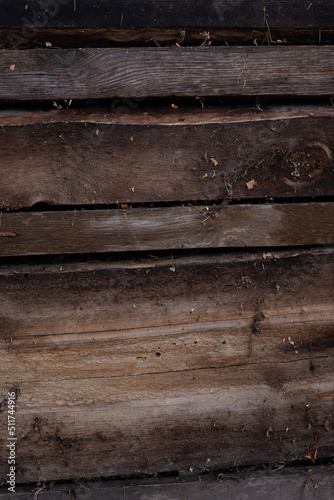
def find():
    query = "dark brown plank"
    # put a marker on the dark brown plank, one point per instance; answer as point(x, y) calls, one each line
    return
point(313, 483)
point(232, 360)
point(237, 415)
point(236, 13)
point(98, 158)
point(180, 71)
point(49, 306)
point(165, 228)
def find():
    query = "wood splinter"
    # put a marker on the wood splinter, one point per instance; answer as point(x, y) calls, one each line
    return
point(62, 449)
point(6, 234)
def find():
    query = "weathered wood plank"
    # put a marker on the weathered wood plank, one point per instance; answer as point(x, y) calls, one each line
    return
point(178, 156)
point(260, 413)
point(235, 13)
point(43, 307)
point(311, 483)
point(141, 72)
point(206, 374)
point(114, 230)
point(158, 350)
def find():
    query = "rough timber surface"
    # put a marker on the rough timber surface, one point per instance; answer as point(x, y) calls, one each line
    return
point(227, 358)
point(138, 229)
point(213, 13)
point(113, 425)
point(151, 156)
point(311, 483)
point(179, 71)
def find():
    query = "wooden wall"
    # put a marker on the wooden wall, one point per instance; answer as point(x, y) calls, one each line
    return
point(166, 236)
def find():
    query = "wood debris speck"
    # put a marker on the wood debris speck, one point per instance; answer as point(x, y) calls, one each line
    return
point(251, 184)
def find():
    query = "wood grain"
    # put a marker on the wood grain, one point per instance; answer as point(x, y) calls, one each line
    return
point(141, 72)
point(228, 357)
point(316, 483)
point(138, 229)
point(217, 344)
point(171, 421)
point(235, 13)
point(142, 157)
point(45, 306)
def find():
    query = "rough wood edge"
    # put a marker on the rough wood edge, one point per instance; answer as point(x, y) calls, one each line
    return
point(148, 261)
point(164, 116)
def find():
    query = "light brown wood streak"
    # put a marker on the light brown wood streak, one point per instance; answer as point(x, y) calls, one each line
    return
point(189, 349)
point(143, 72)
point(287, 151)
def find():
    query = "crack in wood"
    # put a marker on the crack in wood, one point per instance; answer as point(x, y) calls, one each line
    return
point(190, 370)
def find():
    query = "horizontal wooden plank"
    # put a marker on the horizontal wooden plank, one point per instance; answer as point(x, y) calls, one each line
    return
point(107, 37)
point(176, 348)
point(315, 483)
point(177, 296)
point(227, 358)
point(235, 13)
point(117, 230)
point(239, 415)
point(179, 71)
point(154, 156)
